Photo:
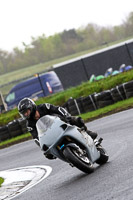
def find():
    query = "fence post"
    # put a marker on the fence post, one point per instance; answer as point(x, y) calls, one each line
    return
point(85, 69)
point(77, 106)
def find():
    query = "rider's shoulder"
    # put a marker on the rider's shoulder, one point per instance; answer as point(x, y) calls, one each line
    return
point(44, 106)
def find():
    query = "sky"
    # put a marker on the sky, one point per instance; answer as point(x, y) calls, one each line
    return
point(20, 20)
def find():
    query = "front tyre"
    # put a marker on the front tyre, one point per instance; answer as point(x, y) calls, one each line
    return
point(103, 155)
point(79, 159)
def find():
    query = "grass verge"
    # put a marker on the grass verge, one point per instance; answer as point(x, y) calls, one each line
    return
point(15, 140)
point(108, 110)
point(1, 181)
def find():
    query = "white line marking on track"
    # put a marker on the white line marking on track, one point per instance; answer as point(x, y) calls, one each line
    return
point(18, 180)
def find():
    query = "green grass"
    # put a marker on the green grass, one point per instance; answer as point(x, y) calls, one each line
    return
point(1, 181)
point(15, 140)
point(88, 88)
point(114, 108)
point(8, 117)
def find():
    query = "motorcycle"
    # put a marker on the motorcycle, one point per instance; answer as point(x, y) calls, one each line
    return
point(70, 144)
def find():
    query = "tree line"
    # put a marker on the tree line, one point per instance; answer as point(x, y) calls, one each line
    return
point(43, 49)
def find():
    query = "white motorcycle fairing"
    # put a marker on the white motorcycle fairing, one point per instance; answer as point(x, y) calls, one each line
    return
point(52, 131)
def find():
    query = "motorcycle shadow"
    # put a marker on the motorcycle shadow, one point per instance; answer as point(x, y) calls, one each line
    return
point(81, 177)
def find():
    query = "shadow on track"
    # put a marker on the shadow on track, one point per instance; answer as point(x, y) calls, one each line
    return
point(82, 177)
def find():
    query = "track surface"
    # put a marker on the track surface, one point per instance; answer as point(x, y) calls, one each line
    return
point(113, 180)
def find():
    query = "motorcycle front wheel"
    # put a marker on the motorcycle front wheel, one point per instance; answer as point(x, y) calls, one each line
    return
point(78, 157)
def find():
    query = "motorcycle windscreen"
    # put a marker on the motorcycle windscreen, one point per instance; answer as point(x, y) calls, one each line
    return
point(49, 129)
point(43, 124)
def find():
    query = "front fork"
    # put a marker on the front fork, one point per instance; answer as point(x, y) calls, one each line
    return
point(98, 142)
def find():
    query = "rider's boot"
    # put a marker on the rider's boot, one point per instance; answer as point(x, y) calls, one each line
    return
point(84, 127)
point(90, 133)
point(78, 121)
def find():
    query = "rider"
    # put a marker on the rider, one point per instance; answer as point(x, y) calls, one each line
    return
point(32, 112)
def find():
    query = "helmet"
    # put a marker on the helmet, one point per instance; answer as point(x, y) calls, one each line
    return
point(26, 104)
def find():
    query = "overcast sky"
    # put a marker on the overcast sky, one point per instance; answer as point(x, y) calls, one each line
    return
point(22, 19)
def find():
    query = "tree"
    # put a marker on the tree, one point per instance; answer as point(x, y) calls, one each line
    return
point(42, 48)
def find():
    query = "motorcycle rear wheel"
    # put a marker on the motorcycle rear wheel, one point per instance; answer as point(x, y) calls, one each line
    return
point(79, 159)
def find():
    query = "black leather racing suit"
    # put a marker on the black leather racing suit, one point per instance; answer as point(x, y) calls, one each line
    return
point(49, 109)
point(45, 109)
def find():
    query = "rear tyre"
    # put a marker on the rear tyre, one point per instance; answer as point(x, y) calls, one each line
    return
point(103, 155)
point(79, 159)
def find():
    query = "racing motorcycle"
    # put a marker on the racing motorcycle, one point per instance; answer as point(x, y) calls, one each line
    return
point(70, 144)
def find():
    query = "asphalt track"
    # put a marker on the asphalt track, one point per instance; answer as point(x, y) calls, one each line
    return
point(112, 181)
